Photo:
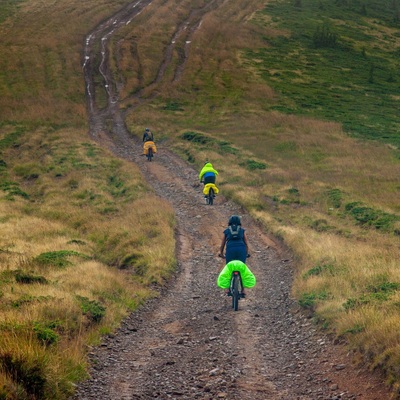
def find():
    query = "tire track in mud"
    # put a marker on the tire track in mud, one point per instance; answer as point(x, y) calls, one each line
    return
point(188, 343)
point(100, 117)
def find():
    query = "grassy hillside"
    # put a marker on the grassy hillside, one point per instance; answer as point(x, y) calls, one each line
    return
point(285, 119)
point(338, 61)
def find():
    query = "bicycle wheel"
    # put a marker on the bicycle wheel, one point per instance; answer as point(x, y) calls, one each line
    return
point(211, 196)
point(149, 154)
point(235, 289)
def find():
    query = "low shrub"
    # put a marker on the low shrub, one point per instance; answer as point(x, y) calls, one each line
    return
point(367, 216)
point(58, 258)
point(91, 308)
point(26, 277)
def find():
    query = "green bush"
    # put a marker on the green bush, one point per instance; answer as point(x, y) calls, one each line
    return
point(368, 216)
point(307, 300)
point(91, 308)
point(58, 258)
point(25, 277)
point(252, 165)
point(45, 334)
point(196, 137)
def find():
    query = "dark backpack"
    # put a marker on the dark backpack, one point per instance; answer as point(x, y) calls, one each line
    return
point(148, 136)
point(234, 232)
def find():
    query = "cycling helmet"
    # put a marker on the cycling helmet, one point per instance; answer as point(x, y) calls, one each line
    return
point(147, 130)
point(234, 220)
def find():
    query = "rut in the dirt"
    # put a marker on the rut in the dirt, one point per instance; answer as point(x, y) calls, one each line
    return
point(188, 343)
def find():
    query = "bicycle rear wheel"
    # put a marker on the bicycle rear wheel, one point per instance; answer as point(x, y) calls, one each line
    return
point(149, 153)
point(235, 289)
point(211, 196)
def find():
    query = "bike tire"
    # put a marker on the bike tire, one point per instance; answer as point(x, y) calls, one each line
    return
point(211, 196)
point(149, 154)
point(235, 292)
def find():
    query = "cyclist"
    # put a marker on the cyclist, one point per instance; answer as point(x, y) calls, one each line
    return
point(237, 246)
point(208, 175)
point(235, 239)
point(148, 135)
point(148, 139)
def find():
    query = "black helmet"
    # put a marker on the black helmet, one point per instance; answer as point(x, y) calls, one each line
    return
point(234, 220)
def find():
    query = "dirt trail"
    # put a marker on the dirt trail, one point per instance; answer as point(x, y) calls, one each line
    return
point(188, 343)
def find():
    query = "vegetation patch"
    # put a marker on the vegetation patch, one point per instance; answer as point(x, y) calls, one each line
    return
point(59, 258)
point(308, 300)
point(370, 217)
point(335, 197)
point(28, 278)
point(321, 225)
point(374, 294)
point(28, 299)
point(45, 333)
point(91, 308)
point(319, 270)
point(173, 106)
point(12, 189)
point(12, 139)
point(252, 165)
point(198, 138)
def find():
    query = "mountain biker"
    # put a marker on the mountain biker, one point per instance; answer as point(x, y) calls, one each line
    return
point(235, 240)
point(148, 135)
point(208, 175)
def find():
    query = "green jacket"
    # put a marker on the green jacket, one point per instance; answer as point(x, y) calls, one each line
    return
point(207, 168)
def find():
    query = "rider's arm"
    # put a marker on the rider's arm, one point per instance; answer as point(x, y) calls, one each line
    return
point(221, 249)
point(246, 242)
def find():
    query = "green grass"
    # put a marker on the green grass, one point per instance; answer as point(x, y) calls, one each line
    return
point(355, 82)
point(8, 7)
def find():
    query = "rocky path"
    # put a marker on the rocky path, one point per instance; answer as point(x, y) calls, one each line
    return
point(188, 343)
